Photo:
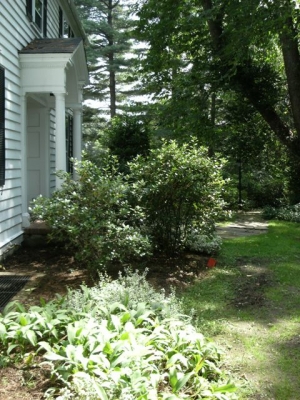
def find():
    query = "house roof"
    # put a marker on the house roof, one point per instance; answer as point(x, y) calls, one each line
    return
point(47, 46)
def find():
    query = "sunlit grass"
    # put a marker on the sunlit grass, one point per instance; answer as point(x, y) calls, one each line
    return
point(262, 342)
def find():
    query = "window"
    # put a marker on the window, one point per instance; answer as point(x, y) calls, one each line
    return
point(38, 18)
point(64, 28)
point(2, 126)
point(36, 11)
point(69, 142)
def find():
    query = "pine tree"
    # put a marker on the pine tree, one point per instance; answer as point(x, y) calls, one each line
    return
point(108, 24)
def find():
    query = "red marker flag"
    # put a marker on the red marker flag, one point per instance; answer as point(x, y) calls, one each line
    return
point(211, 263)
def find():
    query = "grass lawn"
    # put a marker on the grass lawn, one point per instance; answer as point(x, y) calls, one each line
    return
point(250, 304)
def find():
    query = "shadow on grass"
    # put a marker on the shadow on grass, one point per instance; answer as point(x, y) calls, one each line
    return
point(251, 303)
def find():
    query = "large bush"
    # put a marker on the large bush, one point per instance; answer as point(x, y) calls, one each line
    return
point(119, 340)
point(180, 188)
point(94, 217)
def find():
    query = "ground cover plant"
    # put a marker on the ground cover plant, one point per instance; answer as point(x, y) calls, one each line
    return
point(118, 340)
point(250, 305)
point(285, 213)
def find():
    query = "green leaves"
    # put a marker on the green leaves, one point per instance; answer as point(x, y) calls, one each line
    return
point(135, 351)
point(94, 217)
point(178, 379)
point(179, 188)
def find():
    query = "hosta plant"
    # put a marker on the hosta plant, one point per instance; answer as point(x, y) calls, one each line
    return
point(135, 345)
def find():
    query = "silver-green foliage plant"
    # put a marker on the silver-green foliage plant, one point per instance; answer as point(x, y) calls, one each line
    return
point(286, 213)
point(203, 243)
point(93, 215)
point(180, 188)
point(135, 345)
point(131, 290)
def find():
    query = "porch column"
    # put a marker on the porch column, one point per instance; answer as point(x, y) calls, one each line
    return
point(24, 180)
point(61, 158)
point(77, 135)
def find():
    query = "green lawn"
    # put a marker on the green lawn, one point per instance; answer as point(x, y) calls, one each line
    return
point(250, 303)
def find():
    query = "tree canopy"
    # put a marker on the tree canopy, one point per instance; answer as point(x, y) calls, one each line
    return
point(249, 47)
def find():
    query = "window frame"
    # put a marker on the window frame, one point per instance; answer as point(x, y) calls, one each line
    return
point(2, 126)
point(64, 29)
point(34, 14)
point(69, 141)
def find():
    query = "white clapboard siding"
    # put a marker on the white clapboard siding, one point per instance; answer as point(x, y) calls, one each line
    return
point(9, 213)
point(15, 33)
point(7, 203)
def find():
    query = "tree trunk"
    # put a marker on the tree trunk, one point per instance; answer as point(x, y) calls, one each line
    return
point(291, 57)
point(246, 82)
point(112, 74)
point(112, 88)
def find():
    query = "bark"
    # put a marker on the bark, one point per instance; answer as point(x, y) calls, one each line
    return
point(248, 85)
point(291, 56)
point(112, 74)
point(214, 25)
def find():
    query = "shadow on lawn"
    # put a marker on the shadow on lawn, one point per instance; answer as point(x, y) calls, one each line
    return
point(250, 304)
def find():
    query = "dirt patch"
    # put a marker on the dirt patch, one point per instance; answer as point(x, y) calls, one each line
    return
point(20, 383)
point(56, 270)
point(52, 270)
point(253, 280)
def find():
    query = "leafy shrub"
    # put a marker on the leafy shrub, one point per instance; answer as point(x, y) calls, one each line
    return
point(123, 349)
point(287, 213)
point(269, 212)
point(126, 137)
point(94, 216)
point(180, 188)
point(262, 188)
point(203, 243)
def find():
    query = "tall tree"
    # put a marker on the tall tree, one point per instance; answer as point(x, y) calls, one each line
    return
point(108, 24)
point(251, 47)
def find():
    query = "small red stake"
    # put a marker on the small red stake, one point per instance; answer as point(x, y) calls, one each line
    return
point(211, 263)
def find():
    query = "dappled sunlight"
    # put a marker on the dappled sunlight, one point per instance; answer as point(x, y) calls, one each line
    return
point(250, 305)
point(258, 352)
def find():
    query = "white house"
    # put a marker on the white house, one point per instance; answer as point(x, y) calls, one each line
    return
point(42, 72)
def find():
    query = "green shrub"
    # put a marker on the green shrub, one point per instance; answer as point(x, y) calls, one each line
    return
point(93, 216)
point(287, 213)
point(127, 137)
point(125, 347)
point(203, 243)
point(262, 188)
point(180, 188)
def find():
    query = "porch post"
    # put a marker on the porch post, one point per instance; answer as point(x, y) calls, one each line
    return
point(24, 180)
point(61, 157)
point(77, 135)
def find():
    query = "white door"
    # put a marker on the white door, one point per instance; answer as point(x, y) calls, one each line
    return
point(36, 153)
